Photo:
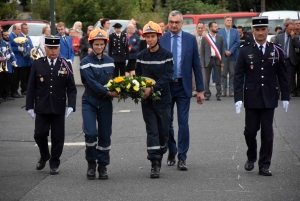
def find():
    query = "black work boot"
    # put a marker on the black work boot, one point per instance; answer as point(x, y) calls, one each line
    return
point(91, 172)
point(102, 172)
point(155, 168)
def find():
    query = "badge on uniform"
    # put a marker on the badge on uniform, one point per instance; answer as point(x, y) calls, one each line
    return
point(251, 65)
point(250, 56)
point(272, 54)
point(41, 79)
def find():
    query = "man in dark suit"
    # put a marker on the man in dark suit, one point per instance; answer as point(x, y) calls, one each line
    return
point(258, 66)
point(85, 47)
point(212, 57)
point(186, 58)
point(66, 48)
point(51, 80)
point(289, 41)
point(118, 50)
point(231, 39)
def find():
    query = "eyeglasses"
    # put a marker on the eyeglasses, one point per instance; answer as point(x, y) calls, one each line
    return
point(176, 22)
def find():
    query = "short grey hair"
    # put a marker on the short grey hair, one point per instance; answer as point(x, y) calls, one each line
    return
point(287, 19)
point(131, 25)
point(174, 13)
point(91, 26)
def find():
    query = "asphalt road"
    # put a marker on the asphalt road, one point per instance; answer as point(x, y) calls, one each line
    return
point(215, 160)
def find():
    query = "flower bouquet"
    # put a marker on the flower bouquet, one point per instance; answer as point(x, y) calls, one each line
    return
point(132, 87)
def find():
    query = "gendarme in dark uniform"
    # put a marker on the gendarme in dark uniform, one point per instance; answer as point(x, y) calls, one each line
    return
point(118, 50)
point(50, 86)
point(255, 84)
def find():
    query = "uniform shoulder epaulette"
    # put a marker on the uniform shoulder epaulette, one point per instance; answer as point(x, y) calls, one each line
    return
point(276, 44)
point(245, 44)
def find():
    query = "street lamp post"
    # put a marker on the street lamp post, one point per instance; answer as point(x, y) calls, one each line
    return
point(52, 17)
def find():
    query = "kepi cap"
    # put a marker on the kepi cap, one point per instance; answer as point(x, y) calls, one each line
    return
point(52, 41)
point(260, 21)
point(117, 25)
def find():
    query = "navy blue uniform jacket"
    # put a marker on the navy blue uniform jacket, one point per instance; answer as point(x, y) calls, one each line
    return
point(47, 90)
point(158, 66)
point(255, 78)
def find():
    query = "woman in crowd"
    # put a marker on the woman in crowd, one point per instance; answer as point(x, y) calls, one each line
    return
point(45, 32)
point(78, 29)
point(75, 41)
point(133, 49)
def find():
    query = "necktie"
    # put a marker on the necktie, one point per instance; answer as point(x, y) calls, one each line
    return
point(286, 47)
point(52, 62)
point(261, 49)
point(174, 51)
point(64, 37)
point(228, 38)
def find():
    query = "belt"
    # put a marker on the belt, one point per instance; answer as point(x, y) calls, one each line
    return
point(94, 94)
point(213, 57)
point(177, 80)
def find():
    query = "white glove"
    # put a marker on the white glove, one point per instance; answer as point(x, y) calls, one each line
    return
point(238, 106)
point(69, 60)
point(14, 63)
point(7, 56)
point(69, 111)
point(285, 105)
point(126, 62)
point(3, 49)
point(21, 49)
point(31, 113)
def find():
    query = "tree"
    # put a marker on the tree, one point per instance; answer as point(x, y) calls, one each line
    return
point(9, 10)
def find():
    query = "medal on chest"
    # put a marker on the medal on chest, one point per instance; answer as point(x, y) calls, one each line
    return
point(41, 79)
point(251, 65)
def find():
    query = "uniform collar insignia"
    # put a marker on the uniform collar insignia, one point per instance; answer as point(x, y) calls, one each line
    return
point(250, 56)
point(254, 44)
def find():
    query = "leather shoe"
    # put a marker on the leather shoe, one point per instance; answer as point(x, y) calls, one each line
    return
point(249, 165)
point(219, 98)
point(264, 172)
point(16, 95)
point(41, 163)
point(24, 93)
point(223, 94)
point(155, 169)
point(102, 172)
point(171, 159)
point(181, 165)
point(54, 171)
point(206, 98)
point(231, 94)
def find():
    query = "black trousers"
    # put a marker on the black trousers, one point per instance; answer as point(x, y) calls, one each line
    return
point(260, 119)
point(119, 69)
point(15, 80)
point(24, 75)
point(295, 74)
point(3, 84)
point(43, 123)
point(157, 127)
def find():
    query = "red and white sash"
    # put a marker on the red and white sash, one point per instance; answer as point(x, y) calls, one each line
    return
point(213, 45)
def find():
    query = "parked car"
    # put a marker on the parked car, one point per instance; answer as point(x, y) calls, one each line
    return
point(35, 31)
point(6, 23)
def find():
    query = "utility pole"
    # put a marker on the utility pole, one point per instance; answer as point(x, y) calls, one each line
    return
point(52, 17)
point(262, 5)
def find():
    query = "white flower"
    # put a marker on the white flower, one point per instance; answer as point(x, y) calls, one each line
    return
point(136, 83)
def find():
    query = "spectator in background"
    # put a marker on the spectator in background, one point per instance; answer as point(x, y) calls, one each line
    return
point(297, 67)
point(243, 37)
point(77, 27)
point(162, 26)
point(133, 40)
point(277, 30)
point(199, 35)
point(75, 41)
point(231, 40)
point(66, 49)
point(45, 32)
point(105, 24)
point(286, 21)
point(85, 47)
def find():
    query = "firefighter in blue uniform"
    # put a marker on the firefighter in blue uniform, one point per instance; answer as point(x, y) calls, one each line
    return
point(51, 83)
point(259, 65)
point(118, 50)
point(96, 70)
point(156, 63)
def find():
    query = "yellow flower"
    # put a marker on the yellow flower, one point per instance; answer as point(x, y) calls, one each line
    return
point(128, 86)
point(135, 88)
point(109, 83)
point(118, 89)
point(149, 82)
point(119, 79)
point(143, 83)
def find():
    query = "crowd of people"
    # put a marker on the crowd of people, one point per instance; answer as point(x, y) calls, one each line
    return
point(248, 68)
